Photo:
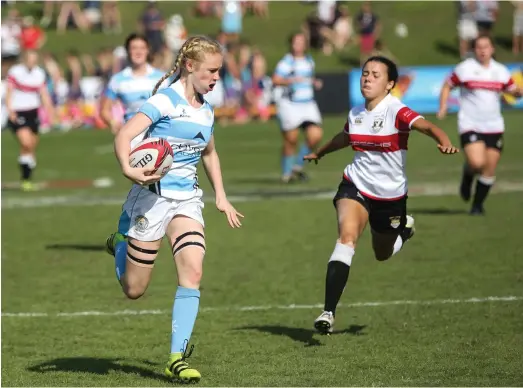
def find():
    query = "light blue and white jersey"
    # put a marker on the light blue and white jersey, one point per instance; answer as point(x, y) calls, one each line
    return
point(290, 67)
point(188, 130)
point(133, 90)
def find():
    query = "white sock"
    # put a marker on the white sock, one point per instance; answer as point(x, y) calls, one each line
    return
point(342, 253)
point(397, 245)
point(27, 159)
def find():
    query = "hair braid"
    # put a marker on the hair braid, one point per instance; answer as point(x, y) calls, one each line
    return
point(189, 50)
point(177, 65)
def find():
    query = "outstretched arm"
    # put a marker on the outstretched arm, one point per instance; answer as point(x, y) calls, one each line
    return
point(211, 163)
point(339, 141)
point(427, 128)
point(513, 89)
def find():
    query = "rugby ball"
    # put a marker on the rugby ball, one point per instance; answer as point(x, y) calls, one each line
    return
point(154, 153)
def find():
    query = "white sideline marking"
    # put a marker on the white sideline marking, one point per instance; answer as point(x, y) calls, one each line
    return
point(424, 189)
point(267, 307)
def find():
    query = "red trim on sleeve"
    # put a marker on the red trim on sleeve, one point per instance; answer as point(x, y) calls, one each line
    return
point(404, 118)
point(454, 80)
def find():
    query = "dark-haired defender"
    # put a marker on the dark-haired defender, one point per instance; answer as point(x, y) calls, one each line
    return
point(480, 124)
point(374, 186)
point(133, 85)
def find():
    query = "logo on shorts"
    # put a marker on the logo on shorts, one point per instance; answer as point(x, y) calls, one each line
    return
point(473, 138)
point(499, 143)
point(395, 221)
point(141, 223)
point(377, 125)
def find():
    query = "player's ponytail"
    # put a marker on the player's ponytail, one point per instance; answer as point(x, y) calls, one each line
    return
point(194, 48)
point(171, 72)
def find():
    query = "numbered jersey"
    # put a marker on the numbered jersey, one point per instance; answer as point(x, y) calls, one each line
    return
point(380, 139)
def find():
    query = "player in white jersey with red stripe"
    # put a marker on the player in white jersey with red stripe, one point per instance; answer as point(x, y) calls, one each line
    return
point(480, 123)
point(374, 186)
point(26, 92)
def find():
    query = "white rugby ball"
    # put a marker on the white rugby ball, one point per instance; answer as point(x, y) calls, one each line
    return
point(153, 152)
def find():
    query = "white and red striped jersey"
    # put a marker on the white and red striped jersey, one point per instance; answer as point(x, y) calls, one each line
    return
point(26, 86)
point(380, 139)
point(480, 101)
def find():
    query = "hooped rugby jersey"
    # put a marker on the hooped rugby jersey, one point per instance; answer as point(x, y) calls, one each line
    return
point(188, 130)
point(26, 84)
point(379, 138)
point(133, 90)
point(290, 67)
point(480, 95)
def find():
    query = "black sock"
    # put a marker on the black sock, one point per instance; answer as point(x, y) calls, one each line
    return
point(25, 171)
point(483, 186)
point(337, 276)
point(466, 182)
point(468, 175)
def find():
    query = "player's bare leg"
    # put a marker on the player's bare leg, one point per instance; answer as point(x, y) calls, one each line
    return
point(134, 262)
point(387, 244)
point(352, 220)
point(28, 142)
point(475, 158)
point(486, 180)
point(290, 140)
point(187, 240)
point(313, 135)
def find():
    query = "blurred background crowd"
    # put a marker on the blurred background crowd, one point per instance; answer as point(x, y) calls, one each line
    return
point(77, 80)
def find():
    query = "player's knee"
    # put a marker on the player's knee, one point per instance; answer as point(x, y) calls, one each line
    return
point(190, 269)
point(314, 135)
point(382, 255)
point(25, 149)
point(290, 144)
point(134, 291)
point(348, 239)
point(194, 276)
point(476, 165)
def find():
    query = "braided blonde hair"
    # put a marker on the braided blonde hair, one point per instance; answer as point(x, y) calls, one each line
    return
point(195, 49)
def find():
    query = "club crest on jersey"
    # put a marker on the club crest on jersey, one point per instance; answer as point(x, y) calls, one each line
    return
point(395, 221)
point(377, 125)
point(358, 120)
point(141, 223)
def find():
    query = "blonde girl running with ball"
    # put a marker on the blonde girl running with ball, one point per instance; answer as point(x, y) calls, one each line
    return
point(172, 206)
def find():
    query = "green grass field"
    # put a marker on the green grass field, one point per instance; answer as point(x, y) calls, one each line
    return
point(428, 43)
point(65, 321)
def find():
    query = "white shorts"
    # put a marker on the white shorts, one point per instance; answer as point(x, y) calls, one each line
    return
point(467, 29)
point(146, 215)
point(293, 114)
